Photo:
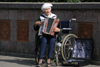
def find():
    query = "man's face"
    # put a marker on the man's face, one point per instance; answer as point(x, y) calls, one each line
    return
point(47, 11)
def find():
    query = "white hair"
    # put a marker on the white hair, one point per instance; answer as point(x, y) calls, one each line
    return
point(45, 6)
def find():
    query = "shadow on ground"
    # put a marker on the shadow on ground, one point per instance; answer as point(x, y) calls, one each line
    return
point(28, 62)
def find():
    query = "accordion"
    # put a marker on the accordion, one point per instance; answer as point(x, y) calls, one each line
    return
point(48, 26)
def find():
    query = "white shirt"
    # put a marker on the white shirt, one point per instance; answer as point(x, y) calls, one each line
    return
point(51, 15)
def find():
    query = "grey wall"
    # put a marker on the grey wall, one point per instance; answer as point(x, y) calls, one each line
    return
point(83, 12)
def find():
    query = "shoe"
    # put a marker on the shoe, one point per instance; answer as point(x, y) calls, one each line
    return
point(39, 65)
point(48, 64)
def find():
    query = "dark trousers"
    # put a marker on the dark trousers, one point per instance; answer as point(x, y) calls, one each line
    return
point(51, 43)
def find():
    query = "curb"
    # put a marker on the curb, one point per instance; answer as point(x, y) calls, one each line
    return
point(33, 56)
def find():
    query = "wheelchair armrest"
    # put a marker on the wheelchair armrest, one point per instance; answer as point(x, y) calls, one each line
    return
point(67, 29)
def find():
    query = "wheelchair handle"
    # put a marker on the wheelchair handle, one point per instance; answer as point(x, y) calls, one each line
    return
point(67, 29)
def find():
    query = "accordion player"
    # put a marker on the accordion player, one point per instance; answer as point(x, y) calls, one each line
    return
point(48, 26)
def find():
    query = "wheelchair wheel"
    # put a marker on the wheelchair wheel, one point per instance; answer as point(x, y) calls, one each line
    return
point(56, 60)
point(37, 54)
point(37, 58)
point(67, 46)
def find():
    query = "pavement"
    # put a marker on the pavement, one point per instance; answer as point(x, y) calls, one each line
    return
point(12, 61)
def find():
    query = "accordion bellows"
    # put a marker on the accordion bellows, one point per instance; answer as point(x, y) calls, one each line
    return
point(48, 26)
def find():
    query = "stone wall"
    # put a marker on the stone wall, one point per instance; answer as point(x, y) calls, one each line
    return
point(17, 20)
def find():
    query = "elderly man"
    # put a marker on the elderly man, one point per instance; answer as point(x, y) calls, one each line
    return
point(46, 8)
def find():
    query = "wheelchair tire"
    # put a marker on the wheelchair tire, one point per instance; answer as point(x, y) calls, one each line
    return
point(37, 58)
point(57, 61)
point(67, 46)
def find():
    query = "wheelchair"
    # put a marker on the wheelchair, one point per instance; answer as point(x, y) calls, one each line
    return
point(63, 48)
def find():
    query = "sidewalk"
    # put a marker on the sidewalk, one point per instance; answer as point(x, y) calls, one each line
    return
point(11, 61)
